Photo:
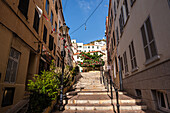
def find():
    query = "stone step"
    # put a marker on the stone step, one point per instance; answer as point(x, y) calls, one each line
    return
point(92, 86)
point(89, 107)
point(103, 97)
point(97, 84)
point(121, 102)
point(85, 111)
point(134, 107)
point(93, 90)
point(103, 107)
point(98, 93)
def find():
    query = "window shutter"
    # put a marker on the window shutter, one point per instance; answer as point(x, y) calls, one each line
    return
point(36, 21)
point(56, 7)
point(51, 43)
point(8, 71)
point(45, 34)
point(12, 67)
point(54, 49)
point(23, 7)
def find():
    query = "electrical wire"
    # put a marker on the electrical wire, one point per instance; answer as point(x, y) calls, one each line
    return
point(87, 18)
point(93, 11)
point(77, 28)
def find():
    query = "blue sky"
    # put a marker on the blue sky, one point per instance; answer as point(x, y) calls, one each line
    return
point(77, 11)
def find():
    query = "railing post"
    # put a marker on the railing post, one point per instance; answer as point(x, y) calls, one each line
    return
point(111, 88)
point(105, 82)
point(107, 85)
point(102, 76)
point(117, 99)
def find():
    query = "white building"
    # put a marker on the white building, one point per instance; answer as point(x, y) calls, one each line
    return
point(74, 45)
point(77, 48)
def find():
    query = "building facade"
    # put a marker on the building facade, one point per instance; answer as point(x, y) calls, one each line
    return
point(80, 47)
point(29, 40)
point(141, 31)
point(97, 46)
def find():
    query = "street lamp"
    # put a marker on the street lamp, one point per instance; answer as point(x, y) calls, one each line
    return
point(64, 30)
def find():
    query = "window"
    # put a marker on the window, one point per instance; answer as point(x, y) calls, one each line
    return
point(121, 20)
point(51, 18)
point(125, 62)
point(97, 47)
point(12, 67)
point(36, 21)
point(132, 2)
point(58, 62)
point(51, 43)
point(117, 35)
point(47, 6)
point(55, 27)
point(92, 46)
point(88, 46)
point(23, 7)
point(111, 19)
point(168, 3)
point(138, 93)
point(126, 7)
point(162, 101)
point(54, 49)
point(84, 50)
point(45, 34)
point(114, 38)
point(148, 40)
point(121, 61)
point(8, 97)
point(112, 44)
point(59, 24)
point(114, 10)
point(132, 55)
point(118, 3)
point(77, 57)
point(116, 64)
point(56, 7)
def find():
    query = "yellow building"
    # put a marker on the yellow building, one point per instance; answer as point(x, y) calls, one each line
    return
point(28, 43)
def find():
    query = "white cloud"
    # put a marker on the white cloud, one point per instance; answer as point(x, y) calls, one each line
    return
point(85, 5)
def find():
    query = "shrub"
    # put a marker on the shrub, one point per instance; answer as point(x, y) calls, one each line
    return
point(43, 89)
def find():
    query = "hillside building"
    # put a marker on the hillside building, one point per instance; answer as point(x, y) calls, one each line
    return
point(98, 46)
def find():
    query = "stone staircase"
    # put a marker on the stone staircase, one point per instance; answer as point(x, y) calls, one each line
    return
point(90, 96)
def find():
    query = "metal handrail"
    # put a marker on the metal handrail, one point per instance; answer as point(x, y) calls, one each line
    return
point(106, 81)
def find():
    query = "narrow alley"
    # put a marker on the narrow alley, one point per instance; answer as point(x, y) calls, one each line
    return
point(84, 56)
point(90, 96)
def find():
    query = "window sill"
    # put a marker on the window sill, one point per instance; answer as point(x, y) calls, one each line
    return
point(127, 73)
point(151, 60)
point(126, 20)
point(135, 69)
point(133, 3)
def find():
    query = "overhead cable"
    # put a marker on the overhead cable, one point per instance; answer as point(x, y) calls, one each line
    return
point(87, 18)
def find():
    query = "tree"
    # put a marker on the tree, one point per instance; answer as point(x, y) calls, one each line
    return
point(89, 60)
